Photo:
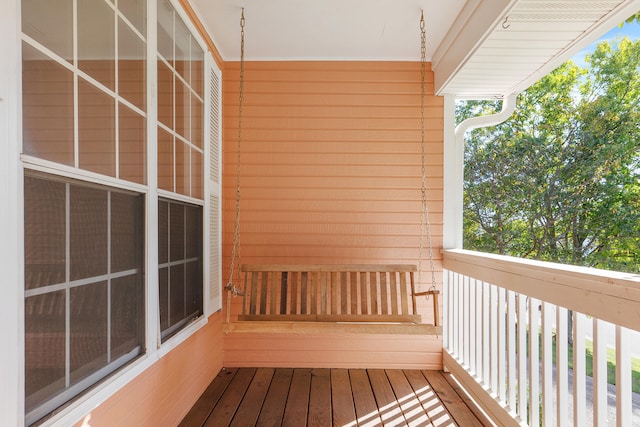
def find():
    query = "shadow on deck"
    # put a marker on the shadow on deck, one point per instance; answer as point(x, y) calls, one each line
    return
point(333, 397)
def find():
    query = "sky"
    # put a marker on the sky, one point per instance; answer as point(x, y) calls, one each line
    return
point(631, 30)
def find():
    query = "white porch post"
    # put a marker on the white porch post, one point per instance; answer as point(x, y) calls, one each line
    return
point(11, 249)
point(453, 178)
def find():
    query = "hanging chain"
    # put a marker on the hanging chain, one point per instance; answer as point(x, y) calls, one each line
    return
point(235, 251)
point(425, 224)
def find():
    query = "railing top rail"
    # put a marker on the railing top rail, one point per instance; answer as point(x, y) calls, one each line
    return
point(608, 295)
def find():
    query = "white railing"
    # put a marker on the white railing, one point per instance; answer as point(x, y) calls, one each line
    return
point(496, 305)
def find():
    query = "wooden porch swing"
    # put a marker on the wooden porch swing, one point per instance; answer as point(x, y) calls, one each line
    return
point(354, 297)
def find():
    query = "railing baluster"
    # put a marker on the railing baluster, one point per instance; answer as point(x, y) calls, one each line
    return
point(562, 366)
point(479, 338)
point(494, 339)
point(502, 345)
point(465, 321)
point(579, 370)
point(472, 322)
point(623, 378)
point(522, 357)
point(486, 336)
point(456, 314)
point(512, 369)
point(547, 363)
point(534, 362)
point(460, 317)
point(600, 404)
point(446, 293)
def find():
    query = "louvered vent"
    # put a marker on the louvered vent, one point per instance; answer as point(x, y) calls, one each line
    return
point(214, 257)
point(214, 127)
point(215, 152)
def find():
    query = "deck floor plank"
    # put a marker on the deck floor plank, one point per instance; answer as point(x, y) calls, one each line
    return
point(224, 411)
point(363, 399)
point(276, 399)
point(451, 400)
point(431, 404)
point(320, 408)
point(298, 401)
point(343, 397)
point(408, 400)
point(343, 408)
point(390, 413)
point(251, 405)
point(205, 404)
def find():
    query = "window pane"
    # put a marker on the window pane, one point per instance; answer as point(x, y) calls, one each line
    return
point(193, 295)
point(132, 145)
point(163, 232)
point(176, 236)
point(96, 130)
point(176, 294)
point(180, 285)
point(88, 340)
point(44, 347)
point(165, 30)
point(193, 223)
point(96, 41)
point(132, 55)
point(163, 279)
point(88, 232)
point(126, 232)
point(182, 52)
point(136, 13)
point(127, 316)
point(165, 160)
point(197, 130)
point(197, 190)
point(182, 168)
point(182, 109)
point(44, 230)
point(165, 95)
point(47, 108)
point(197, 68)
point(50, 22)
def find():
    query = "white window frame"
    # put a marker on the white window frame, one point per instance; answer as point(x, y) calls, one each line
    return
point(12, 164)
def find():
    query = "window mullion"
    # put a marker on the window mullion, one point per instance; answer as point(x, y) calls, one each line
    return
point(152, 299)
point(67, 292)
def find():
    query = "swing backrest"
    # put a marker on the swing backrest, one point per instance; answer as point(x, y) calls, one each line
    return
point(330, 293)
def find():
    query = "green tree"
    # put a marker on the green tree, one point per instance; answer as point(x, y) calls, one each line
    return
point(560, 180)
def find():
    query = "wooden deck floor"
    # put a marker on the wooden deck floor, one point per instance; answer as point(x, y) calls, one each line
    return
point(333, 397)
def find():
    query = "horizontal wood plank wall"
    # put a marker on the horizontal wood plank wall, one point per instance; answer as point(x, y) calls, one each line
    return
point(333, 351)
point(330, 165)
point(164, 393)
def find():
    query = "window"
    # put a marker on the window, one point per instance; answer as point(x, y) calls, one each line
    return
point(180, 106)
point(180, 265)
point(86, 136)
point(83, 287)
point(180, 65)
point(84, 110)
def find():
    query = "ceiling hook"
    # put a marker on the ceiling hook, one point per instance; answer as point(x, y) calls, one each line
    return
point(504, 23)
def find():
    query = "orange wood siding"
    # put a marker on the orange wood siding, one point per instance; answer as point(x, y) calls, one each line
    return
point(332, 351)
point(164, 393)
point(330, 168)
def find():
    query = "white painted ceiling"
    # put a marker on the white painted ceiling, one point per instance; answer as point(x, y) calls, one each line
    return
point(474, 52)
point(327, 29)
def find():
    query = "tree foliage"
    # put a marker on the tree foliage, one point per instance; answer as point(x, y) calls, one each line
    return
point(560, 180)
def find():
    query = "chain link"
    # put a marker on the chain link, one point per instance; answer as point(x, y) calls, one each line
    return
point(235, 251)
point(425, 224)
